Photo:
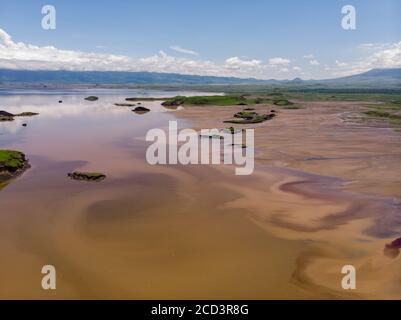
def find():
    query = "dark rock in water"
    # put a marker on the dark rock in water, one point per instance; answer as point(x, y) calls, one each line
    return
point(12, 164)
point(125, 104)
point(24, 124)
point(273, 111)
point(392, 250)
point(91, 98)
point(141, 110)
point(26, 114)
point(249, 109)
point(87, 176)
point(5, 114)
point(60, 101)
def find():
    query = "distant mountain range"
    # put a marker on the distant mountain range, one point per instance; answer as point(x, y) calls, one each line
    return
point(375, 78)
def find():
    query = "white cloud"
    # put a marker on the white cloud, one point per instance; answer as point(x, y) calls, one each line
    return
point(235, 63)
point(278, 61)
point(26, 56)
point(309, 56)
point(19, 55)
point(389, 57)
point(373, 46)
point(183, 50)
point(314, 62)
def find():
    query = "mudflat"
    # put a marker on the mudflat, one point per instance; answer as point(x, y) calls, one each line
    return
point(325, 193)
point(329, 179)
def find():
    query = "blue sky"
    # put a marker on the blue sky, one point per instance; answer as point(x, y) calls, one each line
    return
point(253, 32)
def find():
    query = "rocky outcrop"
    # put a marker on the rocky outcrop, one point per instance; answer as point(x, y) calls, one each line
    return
point(87, 176)
point(141, 110)
point(248, 117)
point(26, 114)
point(7, 116)
point(12, 164)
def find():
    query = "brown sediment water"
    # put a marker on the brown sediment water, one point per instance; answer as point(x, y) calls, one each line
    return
point(325, 193)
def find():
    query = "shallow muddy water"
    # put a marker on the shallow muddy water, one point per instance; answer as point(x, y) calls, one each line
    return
point(149, 232)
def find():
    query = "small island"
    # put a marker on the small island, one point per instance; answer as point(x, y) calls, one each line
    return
point(248, 117)
point(26, 114)
point(12, 164)
point(91, 98)
point(225, 100)
point(125, 104)
point(141, 110)
point(87, 176)
point(7, 116)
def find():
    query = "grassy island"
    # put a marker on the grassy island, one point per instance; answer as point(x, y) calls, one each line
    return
point(92, 98)
point(12, 163)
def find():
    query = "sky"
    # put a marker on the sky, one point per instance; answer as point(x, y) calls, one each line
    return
point(265, 39)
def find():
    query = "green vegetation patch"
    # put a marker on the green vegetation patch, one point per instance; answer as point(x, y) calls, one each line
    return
point(245, 114)
point(92, 98)
point(213, 101)
point(255, 119)
point(11, 161)
point(282, 102)
point(393, 118)
point(87, 176)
